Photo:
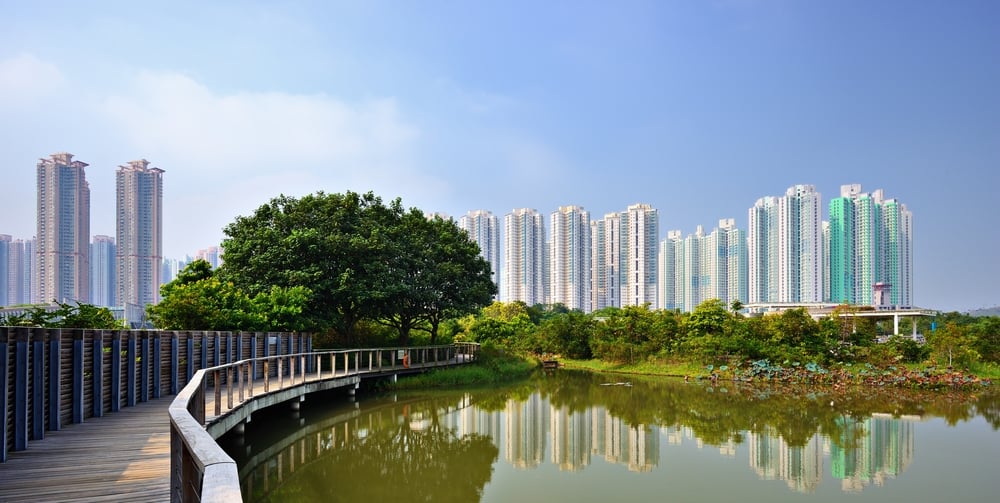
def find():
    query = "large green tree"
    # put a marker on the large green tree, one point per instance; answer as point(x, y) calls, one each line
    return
point(361, 259)
point(437, 274)
point(199, 300)
point(333, 244)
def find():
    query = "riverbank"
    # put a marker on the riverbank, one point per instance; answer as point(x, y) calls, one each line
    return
point(912, 376)
point(489, 370)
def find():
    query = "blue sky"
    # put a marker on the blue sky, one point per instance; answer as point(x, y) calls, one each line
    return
point(696, 107)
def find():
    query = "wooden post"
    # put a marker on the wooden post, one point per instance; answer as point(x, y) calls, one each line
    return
point(21, 390)
point(144, 367)
point(204, 352)
point(267, 384)
point(267, 351)
point(309, 349)
point(249, 383)
point(116, 371)
point(77, 376)
point(190, 357)
point(55, 336)
point(218, 392)
point(38, 386)
point(216, 351)
point(4, 383)
point(253, 356)
point(156, 363)
point(130, 354)
point(97, 376)
point(174, 363)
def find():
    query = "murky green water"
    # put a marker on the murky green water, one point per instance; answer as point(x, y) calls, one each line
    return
point(581, 437)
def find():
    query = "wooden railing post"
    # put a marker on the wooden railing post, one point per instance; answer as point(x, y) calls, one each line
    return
point(281, 377)
point(97, 375)
point(250, 380)
point(204, 350)
point(21, 389)
point(37, 386)
point(130, 369)
point(144, 366)
point(218, 392)
point(4, 383)
point(55, 364)
point(77, 376)
point(267, 376)
point(253, 355)
point(156, 363)
point(216, 352)
point(190, 357)
point(175, 362)
point(229, 387)
point(116, 371)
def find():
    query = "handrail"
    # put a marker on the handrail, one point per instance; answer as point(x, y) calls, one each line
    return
point(200, 470)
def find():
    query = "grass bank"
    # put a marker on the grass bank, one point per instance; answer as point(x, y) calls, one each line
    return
point(912, 376)
point(675, 369)
point(489, 370)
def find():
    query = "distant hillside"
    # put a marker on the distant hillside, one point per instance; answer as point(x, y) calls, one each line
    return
point(986, 311)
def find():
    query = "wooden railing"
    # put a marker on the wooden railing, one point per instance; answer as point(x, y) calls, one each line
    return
point(226, 394)
point(55, 377)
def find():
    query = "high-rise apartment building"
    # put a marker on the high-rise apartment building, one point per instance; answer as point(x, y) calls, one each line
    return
point(712, 266)
point(140, 233)
point(212, 255)
point(732, 248)
point(694, 277)
point(762, 250)
point(484, 228)
point(785, 247)
point(870, 242)
point(626, 258)
point(570, 264)
point(5, 246)
point(605, 235)
point(525, 269)
point(170, 268)
point(63, 230)
point(102, 271)
point(20, 272)
point(671, 290)
point(640, 237)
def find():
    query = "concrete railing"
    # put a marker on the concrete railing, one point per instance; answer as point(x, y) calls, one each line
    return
point(221, 397)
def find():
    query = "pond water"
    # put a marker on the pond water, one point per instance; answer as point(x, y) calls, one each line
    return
point(581, 437)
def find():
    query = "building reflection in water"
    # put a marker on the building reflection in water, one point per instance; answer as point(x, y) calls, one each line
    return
point(863, 452)
point(867, 452)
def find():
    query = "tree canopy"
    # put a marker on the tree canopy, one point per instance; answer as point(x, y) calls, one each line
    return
point(199, 300)
point(360, 259)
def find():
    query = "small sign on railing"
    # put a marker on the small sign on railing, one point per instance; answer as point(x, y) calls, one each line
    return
point(401, 353)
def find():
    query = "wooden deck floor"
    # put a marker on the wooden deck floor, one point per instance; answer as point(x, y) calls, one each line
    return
point(123, 456)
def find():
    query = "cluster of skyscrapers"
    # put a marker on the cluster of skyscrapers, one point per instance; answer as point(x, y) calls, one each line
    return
point(62, 264)
point(862, 254)
point(788, 255)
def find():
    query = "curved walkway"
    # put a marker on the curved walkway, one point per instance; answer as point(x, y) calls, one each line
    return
point(123, 456)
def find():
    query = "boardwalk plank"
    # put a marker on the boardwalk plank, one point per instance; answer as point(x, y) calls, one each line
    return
point(123, 456)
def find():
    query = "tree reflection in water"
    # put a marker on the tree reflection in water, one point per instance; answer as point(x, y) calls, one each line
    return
point(392, 454)
point(410, 450)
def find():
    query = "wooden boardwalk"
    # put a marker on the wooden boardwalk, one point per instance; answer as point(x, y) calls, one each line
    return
point(123, 456)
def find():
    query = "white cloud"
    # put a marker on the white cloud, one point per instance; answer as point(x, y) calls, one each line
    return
point(25, 78)
point(226, 154)
point(173, 115)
